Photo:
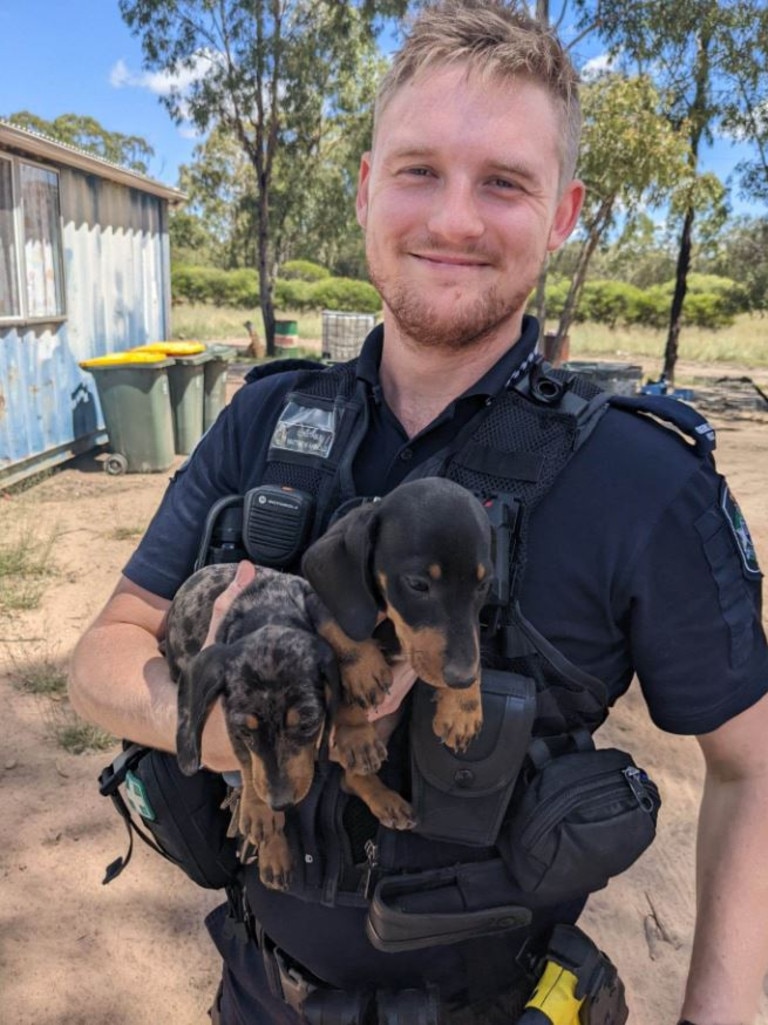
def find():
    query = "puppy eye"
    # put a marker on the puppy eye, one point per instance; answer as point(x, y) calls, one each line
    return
point(418, 584)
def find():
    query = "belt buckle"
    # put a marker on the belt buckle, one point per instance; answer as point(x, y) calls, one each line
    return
point(295, 985)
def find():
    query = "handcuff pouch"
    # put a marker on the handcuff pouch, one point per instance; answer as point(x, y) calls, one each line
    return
point(463, 797)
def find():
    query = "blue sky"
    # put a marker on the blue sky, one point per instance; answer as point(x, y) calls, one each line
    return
point(66, 56)
point(78, 56)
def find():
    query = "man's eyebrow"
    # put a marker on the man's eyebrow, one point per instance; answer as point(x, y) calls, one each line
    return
point(411, 153)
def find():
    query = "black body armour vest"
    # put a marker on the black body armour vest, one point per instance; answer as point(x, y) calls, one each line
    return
point(508, 455)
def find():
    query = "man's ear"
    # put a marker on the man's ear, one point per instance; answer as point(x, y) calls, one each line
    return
point(361, 203)
point(566, 214)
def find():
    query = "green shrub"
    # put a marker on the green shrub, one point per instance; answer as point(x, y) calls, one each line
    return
point(195, 284)
point(651, 308)
point(189, 283)
point(345, 294)
point(303, 270)
point(608, 302)
point(293, 295)
point(555, 294)
point(707, 309)
point(240, 288)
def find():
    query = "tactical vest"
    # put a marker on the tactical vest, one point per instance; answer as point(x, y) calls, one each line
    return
point(508, 455)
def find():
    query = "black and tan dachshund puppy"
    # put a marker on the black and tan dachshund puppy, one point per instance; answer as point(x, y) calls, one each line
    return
point(277, 678)
point(421, 557)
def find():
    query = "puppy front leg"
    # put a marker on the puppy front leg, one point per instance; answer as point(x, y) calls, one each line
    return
point(356, 745)
point(365, 675)
point(389, 807)
point(264, 829)
point(459, 716)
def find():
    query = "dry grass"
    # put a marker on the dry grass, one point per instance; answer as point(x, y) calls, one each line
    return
point(24, 565)
point(745, 343)
point(206, 323)
point(37, 669)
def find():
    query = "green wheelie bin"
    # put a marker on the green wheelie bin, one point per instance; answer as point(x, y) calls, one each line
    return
point(185, 381)
point(215, 381)
point(133, 392)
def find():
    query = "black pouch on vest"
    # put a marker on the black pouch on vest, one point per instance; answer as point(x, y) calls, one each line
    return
point(584, 817)
point(463, 797)
point(178, 816)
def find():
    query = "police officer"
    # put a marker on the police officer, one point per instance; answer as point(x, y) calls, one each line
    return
point(637, 558)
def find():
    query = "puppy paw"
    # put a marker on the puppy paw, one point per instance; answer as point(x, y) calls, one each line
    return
point(394, 812)
point(275, 863)
point(458, 718)
point(256, 821)
point(358, 749)
point(365, 675)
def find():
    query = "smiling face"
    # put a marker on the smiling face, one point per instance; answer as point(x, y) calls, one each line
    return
point(460, 202)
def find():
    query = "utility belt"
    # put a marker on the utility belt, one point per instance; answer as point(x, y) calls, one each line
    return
point(567, 981)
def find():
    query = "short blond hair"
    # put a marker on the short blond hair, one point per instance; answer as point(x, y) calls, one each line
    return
point(496, 40)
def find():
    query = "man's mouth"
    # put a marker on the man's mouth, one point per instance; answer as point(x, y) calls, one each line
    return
point(450, 260)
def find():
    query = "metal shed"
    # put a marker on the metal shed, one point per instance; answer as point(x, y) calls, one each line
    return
point(84, 271)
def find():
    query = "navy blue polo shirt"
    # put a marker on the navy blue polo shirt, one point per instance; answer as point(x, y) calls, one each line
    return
point(633, 562)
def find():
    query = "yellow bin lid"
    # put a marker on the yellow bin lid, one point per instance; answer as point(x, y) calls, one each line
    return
point(172, 348)
point(124, 359)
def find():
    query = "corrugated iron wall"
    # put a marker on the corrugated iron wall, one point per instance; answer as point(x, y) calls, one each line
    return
point(117, 295)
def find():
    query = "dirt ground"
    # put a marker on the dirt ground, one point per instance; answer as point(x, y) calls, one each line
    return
point(74, 952)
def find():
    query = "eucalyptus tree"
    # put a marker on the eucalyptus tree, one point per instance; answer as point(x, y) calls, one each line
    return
point(630, 158)
point(275, 74)
point(703, 55)
point(87, 133)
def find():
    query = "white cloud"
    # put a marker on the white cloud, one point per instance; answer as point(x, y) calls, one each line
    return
point(597, 66)
point(162, 83)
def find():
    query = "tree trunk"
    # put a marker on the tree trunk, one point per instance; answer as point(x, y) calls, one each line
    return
point(540, 298)
point(678, 298)
point(265, 273)
point(698, 117)
point(596, 230)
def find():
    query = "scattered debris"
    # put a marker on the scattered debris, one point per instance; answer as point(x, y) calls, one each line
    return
point(657, 932)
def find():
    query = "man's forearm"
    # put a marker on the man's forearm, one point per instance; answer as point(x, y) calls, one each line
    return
point(119, 679)
point(730, 950)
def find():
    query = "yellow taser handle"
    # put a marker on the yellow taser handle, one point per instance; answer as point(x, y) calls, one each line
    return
point(554, 999)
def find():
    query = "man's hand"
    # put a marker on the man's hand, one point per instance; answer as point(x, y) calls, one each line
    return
point(403, 678)
point(216, 748)
point(245, 575)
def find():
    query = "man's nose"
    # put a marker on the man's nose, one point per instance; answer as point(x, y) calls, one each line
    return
point(455, 214)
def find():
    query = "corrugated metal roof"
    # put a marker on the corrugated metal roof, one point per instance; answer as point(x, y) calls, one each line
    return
point(39, 145)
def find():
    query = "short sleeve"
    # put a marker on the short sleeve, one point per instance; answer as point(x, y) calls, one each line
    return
point(696, 637)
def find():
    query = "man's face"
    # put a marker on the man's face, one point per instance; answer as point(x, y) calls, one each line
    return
point(460, 204)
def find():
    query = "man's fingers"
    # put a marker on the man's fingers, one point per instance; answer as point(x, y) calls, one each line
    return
point(246, 573)
point(403, 678)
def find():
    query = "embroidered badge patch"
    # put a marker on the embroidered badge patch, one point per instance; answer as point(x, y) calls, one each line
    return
point(740, 531)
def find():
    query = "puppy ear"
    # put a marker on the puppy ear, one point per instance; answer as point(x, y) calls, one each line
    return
point(198, 689)
point(338, 566)
point(329, 671)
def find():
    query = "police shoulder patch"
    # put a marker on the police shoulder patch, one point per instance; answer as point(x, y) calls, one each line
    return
point(740, 531)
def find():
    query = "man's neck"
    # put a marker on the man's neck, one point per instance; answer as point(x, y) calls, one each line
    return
point(419, 383)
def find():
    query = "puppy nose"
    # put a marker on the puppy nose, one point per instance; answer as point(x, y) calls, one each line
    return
point(458, 681)
point(280, 804)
